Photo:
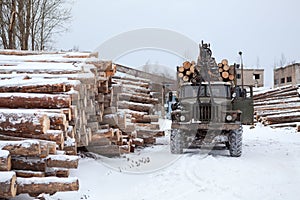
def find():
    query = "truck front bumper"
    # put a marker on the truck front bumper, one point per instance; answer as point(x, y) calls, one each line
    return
point(205, 126)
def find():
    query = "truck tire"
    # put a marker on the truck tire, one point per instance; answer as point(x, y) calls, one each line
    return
point(176, 143)
point(235, 143)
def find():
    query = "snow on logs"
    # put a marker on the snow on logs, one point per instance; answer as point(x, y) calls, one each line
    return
point(49, 185)
point(5, 160)
point(62, 102)
point(278, 107)
point(51, 100)
point(14, 120)
point(31, 100)
point(8, 186)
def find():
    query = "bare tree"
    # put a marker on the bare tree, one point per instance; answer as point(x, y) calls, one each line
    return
point(26, 23)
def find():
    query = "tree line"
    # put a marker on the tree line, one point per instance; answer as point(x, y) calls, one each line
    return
point(31, 24)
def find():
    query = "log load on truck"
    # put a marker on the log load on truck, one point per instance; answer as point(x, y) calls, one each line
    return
point(210, 107)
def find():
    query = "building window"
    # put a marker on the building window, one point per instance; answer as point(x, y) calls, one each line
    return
point(282, 80)
point(238, 76)
point(276, 82)
point(256, 76)
point(289, 79)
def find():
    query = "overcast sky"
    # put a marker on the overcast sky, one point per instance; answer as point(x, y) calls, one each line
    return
point(263, 30)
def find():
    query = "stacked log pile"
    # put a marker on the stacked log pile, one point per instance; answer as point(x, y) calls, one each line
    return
point(189, 72)
point(133, 101)
point(227, 72)
point(62, 101)
point(279, 107)
point(34, 167)
point(53, 101)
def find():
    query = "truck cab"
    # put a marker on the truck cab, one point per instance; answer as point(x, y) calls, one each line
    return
point(204, 115)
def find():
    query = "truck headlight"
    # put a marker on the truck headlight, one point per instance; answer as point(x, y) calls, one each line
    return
point(228, 117)
point(182, 118)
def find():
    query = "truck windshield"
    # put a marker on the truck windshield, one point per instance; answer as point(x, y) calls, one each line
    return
point(219, 91)
point(192, 91)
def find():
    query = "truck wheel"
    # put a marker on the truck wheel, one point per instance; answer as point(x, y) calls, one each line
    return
point(235, 143)
point(176, 143)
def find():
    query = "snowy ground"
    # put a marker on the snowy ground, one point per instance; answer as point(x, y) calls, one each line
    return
point(268, 169)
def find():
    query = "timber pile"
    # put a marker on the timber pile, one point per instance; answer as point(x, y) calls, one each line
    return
point(227, 72)
point(189, 72)
point(55, 101)
point(128, 117)
point(133, 101)
point(279, 107)
point(34, 167)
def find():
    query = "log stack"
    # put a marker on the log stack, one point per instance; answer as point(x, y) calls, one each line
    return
point(227, 72)
point(134, 99)
point(128, 117)
point(62, 101)
point(53, 101)
point(34, 167)
point(188, 72)
point(278, 107)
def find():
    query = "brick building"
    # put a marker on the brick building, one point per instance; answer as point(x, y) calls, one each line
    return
point(288, 75)
point(254, 77)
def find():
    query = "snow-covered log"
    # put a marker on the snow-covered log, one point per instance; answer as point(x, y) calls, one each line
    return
point(146, 119)
point(21, 148)
point(107, 150)
point(137, 98)
point(64, 161)
point(50, 135)
point(57, 171)
point(282, 118)
point(29, 174)
point(136, 89)
point(132, 83)
point(153, 133)
point(27, 163)
point(275, 92)
point(8, 186)
point(30, 100)
point(135, 106)
point(48, 185)
point(51, 145)
point(5, 160)
point(14, 120)
point(147, 126)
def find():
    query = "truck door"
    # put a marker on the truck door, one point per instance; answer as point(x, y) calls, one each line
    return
point(244, 102)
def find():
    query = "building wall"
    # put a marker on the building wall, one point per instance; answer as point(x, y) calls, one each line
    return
point(288, 75)
point(254, 77)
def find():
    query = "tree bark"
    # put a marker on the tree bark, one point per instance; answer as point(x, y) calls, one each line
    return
point(21, 148)
point(5, 160)
point(28, 100)
point(8, 187)
point(29, 174)
point(137, 98)
point(63, 161)
point(51, 145)
point(46, 88)
point(16, 121)
point(26, 163)
point(51, 135)
point(146, 119)
point(49, 185)
point(135, 106)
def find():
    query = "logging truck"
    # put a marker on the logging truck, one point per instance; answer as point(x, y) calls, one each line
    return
point(211, 108)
